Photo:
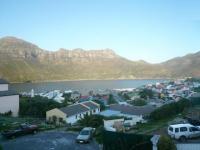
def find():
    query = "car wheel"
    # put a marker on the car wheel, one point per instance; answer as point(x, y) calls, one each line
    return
point(183, 138)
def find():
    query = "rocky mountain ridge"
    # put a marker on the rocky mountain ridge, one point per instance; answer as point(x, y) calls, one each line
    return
point(23, 61)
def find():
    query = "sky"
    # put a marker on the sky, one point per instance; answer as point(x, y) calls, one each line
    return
point(150, 30)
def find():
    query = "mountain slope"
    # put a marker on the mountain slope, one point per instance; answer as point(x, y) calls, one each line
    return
point(23, 61)
point(188, 65)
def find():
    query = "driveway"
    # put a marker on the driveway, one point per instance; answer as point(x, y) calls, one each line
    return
point(50, 140)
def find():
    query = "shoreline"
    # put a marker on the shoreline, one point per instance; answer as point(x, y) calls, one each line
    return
point(76, 80)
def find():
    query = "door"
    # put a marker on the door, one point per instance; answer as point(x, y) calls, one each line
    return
point(195, 132)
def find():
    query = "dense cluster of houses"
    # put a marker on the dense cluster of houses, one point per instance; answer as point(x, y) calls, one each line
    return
point(174, 90)
point(83, 105)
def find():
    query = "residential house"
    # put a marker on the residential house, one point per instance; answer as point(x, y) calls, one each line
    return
point(9, 100)
point(71, 114)
point(75, 96)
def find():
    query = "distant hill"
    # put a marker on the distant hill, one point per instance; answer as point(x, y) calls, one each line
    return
point(22, 61)
point(188, 65)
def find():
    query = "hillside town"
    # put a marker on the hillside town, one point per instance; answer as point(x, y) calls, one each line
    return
point(121, 110)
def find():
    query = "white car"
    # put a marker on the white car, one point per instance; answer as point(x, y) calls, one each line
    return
point(183, 131)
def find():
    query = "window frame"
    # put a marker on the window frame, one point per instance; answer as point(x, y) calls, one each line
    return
point(183, 129)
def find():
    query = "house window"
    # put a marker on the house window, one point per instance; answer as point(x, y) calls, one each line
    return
point(94, 110)
point(76, 116)
point(90, 111)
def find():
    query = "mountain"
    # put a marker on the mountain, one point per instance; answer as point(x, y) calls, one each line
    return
point(185, 66)
point(22, 61)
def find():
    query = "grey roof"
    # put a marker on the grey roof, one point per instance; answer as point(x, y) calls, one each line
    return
point(8, 93)
point(2, 81)
point(74, 109)
point(133, 110)
point(90, 104)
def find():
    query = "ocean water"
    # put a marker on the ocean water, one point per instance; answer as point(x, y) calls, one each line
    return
point(82, 86)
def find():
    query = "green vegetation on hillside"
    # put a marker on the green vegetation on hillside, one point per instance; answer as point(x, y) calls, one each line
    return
point(170, 110)
point(36, 107)
point(146, 93)
point(21, 61)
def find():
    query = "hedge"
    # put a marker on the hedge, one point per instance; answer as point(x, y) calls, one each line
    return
point(126, 141)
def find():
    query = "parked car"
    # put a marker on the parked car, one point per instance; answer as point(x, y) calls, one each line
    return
point(85, 135)
point(22, 130)
point(183, 131)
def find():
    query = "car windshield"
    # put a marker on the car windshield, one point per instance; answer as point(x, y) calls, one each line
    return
point(84, 132)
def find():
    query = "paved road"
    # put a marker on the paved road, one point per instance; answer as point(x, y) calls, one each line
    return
point(51, 140)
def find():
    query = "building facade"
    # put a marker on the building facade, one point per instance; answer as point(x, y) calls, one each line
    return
point(9, 100)
point(71, 114)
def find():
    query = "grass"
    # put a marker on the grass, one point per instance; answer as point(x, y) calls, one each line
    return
point(151, 126)
point(7, 123)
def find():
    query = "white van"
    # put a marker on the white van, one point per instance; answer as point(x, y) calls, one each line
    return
point(183, 131)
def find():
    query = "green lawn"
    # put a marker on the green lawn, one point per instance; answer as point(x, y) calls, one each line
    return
point(151, 126)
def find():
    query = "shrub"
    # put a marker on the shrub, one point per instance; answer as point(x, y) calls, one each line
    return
point(37, 106)
point(111, 100)
point(99, 134)
point(146, 93)
point(75, 128)
point(8, 114)
point(91, 121)
point(165, 143)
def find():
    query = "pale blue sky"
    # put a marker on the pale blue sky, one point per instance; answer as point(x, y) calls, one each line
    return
point(152, 30)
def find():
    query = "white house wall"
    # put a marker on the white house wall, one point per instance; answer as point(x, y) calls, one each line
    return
point(3, 87)
point(73, 119)
point(9, 103)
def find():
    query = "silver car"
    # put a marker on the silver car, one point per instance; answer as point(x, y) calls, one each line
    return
point(85, 135)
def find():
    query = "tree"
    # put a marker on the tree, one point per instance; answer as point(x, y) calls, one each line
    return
point(67, 101)
point(99, 134)
point(111, 100)
point(146, 93)
point(37, 106)
point(126, 96)
point(165, 143)
point(102, 106)
point(92, 121)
